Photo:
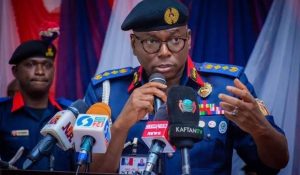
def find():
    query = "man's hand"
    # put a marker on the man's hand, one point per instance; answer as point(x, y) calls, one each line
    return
point(243, 109)
point(140, 102)
point(245, 112)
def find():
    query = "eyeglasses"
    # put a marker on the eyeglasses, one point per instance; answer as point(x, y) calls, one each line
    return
point(152, 45)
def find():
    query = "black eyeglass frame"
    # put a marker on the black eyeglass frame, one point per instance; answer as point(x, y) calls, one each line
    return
point(158, 49)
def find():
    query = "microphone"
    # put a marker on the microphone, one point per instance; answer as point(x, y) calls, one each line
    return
point(156, 137)
point(157, 77)
point(92, 131)
point(59, 130)
point(184, 117)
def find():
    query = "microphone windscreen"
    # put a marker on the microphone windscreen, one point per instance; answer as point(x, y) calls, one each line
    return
point(99, 109)
point(183, 112)
point(79, 106)
point(157, 77)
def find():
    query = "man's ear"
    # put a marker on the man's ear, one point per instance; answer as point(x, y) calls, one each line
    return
point(14, 70)
point(189, 33)
point(132, 42)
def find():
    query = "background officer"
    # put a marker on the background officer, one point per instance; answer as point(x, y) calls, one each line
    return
point(23, 116)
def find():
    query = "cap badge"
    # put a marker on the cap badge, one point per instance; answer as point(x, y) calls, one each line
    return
point(205, 90)
point(187, 105)
point(171, 15)
point(49, 52)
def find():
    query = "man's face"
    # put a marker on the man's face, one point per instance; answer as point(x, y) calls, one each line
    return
point(35, 74)
point(165, 61)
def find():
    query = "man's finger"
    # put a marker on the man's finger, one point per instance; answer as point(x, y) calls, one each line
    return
point(231, 100)
point(227, 107)
point(242, 94)
point(240, 85)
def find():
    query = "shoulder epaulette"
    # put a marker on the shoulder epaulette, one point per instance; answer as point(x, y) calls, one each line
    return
point(4, 99)
point(225, 69)
point(110, 74)
point(64, 102)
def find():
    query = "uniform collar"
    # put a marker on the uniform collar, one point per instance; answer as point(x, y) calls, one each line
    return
point(191, 73)
point(18, 101)
point(137, 79)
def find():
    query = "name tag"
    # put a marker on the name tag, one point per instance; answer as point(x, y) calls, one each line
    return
point(132, 164)
point(20, 133)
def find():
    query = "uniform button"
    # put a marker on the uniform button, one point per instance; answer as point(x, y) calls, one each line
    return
point(208, 136)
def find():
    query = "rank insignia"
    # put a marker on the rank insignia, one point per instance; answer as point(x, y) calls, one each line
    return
point(205, 90)
point(171, 16)
point(135, 78)
point(194, 74)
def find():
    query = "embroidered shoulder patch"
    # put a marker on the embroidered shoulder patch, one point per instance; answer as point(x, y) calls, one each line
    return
point(226, 69)
point(111, 74)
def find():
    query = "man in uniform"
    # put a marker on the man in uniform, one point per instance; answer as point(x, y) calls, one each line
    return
point(230, 114)
point(23, 115)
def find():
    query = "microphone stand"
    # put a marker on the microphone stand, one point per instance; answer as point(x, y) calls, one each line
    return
point(89, 161)
point(51, 162)
point(185, 161)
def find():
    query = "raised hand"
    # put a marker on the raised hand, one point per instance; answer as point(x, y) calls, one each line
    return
point(243, 109)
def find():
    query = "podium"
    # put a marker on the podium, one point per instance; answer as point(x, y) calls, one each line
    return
point(35, 172)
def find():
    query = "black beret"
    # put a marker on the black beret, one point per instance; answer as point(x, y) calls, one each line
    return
point(153, 15)
point(33, 48)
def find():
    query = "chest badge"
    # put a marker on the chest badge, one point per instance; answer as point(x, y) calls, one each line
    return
point(205, 90)
point(222, 127)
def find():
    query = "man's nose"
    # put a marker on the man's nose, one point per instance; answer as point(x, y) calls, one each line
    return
point(164, 51)
point(39, 70)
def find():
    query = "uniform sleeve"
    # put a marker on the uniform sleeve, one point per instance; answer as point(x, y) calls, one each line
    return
point(244, 143)
point(93, 94)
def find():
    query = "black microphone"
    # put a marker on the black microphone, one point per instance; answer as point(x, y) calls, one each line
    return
point(56, 131)
point(184, 118)
point(157, 77)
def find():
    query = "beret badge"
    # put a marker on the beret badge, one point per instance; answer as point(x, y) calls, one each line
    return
point(49, 52)
point(171, 16)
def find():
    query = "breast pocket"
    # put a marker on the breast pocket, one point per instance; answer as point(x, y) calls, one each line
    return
point(13, 143)
point(215, 145)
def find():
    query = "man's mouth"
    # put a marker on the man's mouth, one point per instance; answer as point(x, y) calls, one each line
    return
point(164, 68)
point(39, 80)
